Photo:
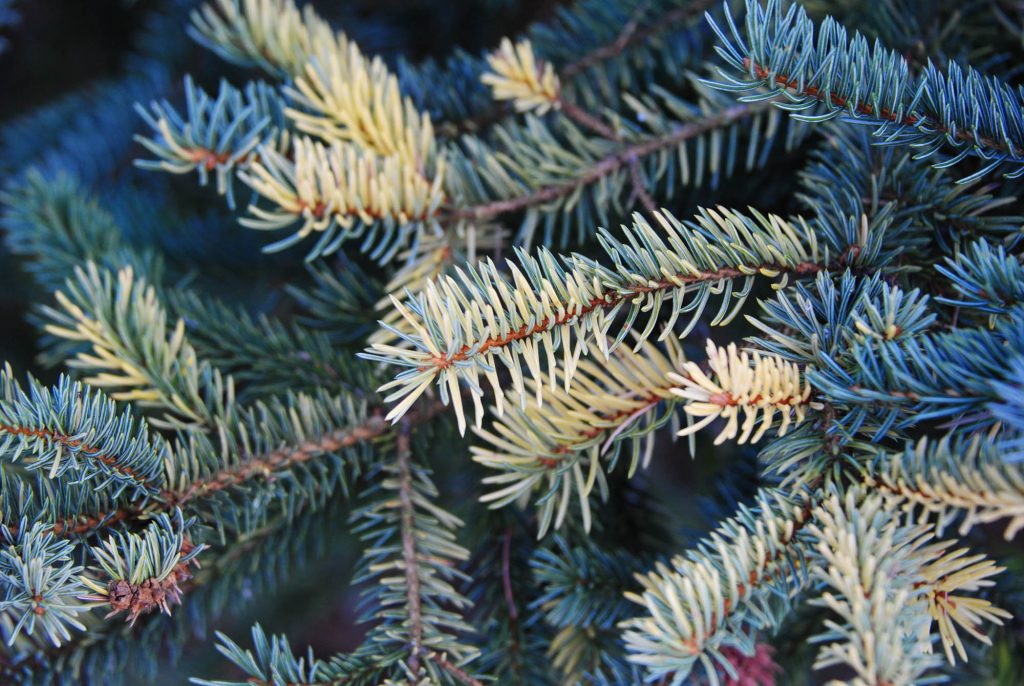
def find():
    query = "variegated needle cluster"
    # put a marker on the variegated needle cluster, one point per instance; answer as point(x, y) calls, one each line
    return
point(463, 325)
point(363, 154)
point(337, 91)
point(742, 389)
point(562, 449)
point(890, 581)
point(339, 184)
point(517, 75)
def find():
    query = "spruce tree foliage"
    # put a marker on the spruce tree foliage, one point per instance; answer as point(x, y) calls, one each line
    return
point(293, 296)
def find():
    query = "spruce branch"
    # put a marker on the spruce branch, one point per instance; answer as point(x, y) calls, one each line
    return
point(283, 460)
point(612, 163)
point(461, 675)
point(731, 585)
point(949, 573)
point(268, 357)
point(818, 325)
point(72, 430)
point(986, 277)
point(516, 74)
point(883, 633)
point(140, 573)
point(341, 192)
point(410, 563)
point(646, 24)
point(891, 583)
point(57, 227)
point(218, 135)
point(635, 31)
point(369, 157)
point(953, 477)
point(757, 386)
point(409, 555)
point(41, 585)
point(561, 450)
point(464, 326)
point(336, 103)
point(582, 599)
point(888, 208)
point(954, 376)
point(131, 348)
point(808, 66)
point(205, 475)
point(340, 95)
point(271, 34)
point(888, 404)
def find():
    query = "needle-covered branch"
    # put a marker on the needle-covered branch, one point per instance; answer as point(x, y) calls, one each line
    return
point(465, 325)
point(562, 450)
point(738, 581)
point(825, 72)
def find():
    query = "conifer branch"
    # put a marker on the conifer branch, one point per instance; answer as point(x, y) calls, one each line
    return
point(132, 347)
point(516, 75)
point(563, 448)
point(722, 592)
point(277, 461)
point(757, 387)
point(635, 31)
point(461, 675)
point(986, 277)
point(410, 563)
point(882, 636)
point(74, 430)
point(783, 50)
point(853, 371)
point(515, 319)
point(409, 554)
point(949, 478)
point(219, 135)
point(63, 440)
point(611, 164)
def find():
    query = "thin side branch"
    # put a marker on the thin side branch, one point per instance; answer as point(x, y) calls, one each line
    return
point(633, 33)
point(278, 460)
point(612, 163)
point(609, 301)
point(460, 675)
point(412, 579)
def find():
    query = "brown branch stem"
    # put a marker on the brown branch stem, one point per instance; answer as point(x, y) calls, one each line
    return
point(586, 119)
point(633, 33)
point(460, 674)
point(284, 458)
point(243, 471)
point(639, 188)
point(757, 579)
point(506, 575)
point(412, 579)
point(608, 301)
